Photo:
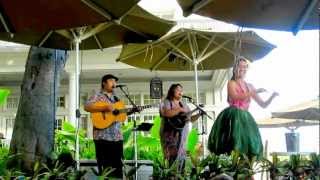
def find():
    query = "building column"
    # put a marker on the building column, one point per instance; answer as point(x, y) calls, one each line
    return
point(72, 99)
point(217, 96)
point(209, 98)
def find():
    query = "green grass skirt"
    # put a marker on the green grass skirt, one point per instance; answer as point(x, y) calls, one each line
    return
point(235, 129)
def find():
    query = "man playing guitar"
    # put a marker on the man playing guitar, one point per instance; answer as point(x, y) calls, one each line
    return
point(108, 141)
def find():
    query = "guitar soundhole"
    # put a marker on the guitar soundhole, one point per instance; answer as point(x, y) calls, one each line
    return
point(116, 112)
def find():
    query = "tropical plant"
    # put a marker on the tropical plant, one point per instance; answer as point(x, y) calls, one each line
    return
point(11, 174)
point(277, 168)
point(55, 169)
point(4, 93)
point(65, 140)
point(106, 173)
point(314, 162)
point(236, 165)
point(297, 166)
point(148, 143)
point(7, 169)
point(4, 154)
point(162, 170)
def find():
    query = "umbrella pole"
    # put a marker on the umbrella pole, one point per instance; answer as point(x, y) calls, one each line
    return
point(201, 124)
point(196, 80)
point(77, 73)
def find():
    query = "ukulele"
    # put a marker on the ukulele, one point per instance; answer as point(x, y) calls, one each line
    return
point(179, 121)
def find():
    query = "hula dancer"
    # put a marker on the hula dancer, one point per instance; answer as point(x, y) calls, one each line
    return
point(235, 128)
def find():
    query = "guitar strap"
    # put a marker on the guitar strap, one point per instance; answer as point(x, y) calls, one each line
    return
point(180, 104)
point(114, 100)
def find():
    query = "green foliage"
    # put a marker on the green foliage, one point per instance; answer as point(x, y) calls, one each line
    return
point(127, 141)
point(276, 167)
point(192, 141)
point(314, 166)
point(236, 165)
point(148, 143)
point(105, 173)
point(54, 172)
point(315, 160)
point(162, 170)
point(65, 141)
point(4, 155)
point(296, 167)
point(4, 93)
point(54, 169)
point(127, 131)
point(8, 169)
point(156, 127)
point(10, 174)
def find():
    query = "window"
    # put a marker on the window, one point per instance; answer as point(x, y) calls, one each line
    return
point(133, 117)
point(12, 102)
point(147, 100)
point(136, 98)
point(2, 126)
point(149, 118)
point(61, 102)
point(202, 97)
point(83, 99)
point(84, 122)
point(9, 126)
point(59, 122)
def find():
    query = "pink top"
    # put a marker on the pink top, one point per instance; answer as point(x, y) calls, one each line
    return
point(241, 104)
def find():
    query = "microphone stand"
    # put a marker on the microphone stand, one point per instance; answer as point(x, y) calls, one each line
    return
point(134, 133)
point(202, 114)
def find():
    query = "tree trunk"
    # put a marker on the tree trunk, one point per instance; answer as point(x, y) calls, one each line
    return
point(33, 133)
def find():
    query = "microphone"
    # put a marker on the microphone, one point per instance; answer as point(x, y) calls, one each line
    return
point(120, 86)
point(188, 97)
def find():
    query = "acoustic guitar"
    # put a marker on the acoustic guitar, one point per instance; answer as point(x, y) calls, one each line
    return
point(179, 121)
point(102, 120)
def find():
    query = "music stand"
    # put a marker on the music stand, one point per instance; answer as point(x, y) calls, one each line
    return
point(141, 127)
point(144, 127)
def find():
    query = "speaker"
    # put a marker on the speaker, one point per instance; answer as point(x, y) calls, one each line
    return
point(156, 88)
